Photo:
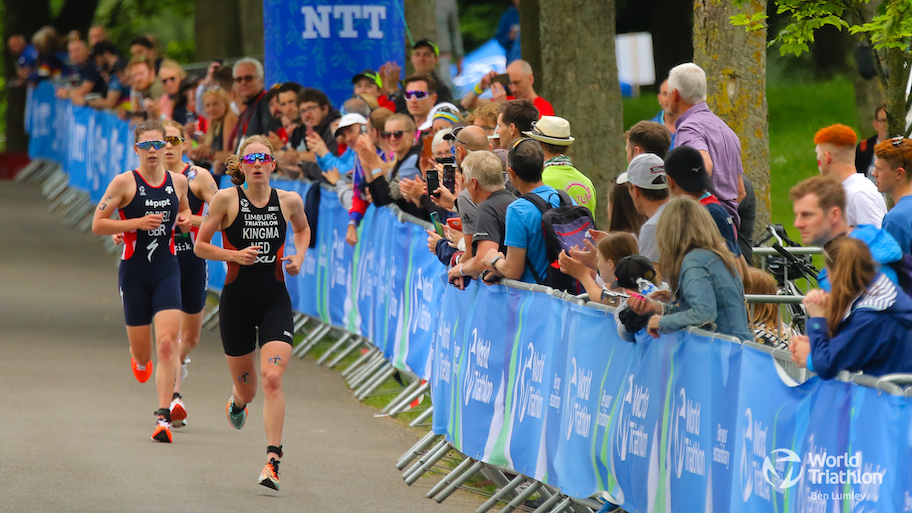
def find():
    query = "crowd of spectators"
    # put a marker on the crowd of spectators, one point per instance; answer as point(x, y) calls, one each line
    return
point(680, 219)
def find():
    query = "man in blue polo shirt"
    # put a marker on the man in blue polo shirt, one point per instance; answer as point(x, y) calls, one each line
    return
point(524, 238)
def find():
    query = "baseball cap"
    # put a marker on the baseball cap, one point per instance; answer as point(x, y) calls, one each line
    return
point(685, 166)
point(630, 269)
point(428, 43)
point(369, 74)
point(646, 171)
point(348, 120)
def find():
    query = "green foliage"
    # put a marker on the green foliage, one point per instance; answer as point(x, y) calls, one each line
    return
point(478, 22)
point(171, 21)
point(891, 26)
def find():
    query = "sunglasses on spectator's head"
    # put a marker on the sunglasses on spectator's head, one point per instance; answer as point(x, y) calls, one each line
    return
point(145, 145)
point(244, 78)
point(897, 141)
point(174, 140)
point(393, 135)
point(416, 95)
point(252, 158)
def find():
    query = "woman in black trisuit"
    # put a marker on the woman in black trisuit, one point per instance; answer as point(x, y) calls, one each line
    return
point(254, 304)
point(151, 201)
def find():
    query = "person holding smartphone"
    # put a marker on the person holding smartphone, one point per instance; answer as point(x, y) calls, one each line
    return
point(255, 308)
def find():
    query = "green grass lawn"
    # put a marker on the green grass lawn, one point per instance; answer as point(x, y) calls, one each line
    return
point(796, 111)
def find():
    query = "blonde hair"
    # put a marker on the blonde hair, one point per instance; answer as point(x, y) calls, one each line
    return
point(233, 162)
point(684, 226)
point(174, 66)
point(762, 282)
point(215, 125)
point(852, 270)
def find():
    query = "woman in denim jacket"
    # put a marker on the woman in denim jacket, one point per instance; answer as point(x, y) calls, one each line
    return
point(708, 292)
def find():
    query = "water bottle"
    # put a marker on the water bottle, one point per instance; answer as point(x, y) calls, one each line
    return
point(646, 287)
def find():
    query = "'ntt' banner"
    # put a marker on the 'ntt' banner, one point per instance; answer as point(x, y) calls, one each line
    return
point(324, 43)
point(687, 422)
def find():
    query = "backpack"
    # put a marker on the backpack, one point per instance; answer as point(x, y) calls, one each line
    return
point(563, 227)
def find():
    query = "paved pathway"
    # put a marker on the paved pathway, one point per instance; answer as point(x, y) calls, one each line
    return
point(75, 425)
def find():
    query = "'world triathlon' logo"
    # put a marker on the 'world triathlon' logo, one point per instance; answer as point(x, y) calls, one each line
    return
point(790, 465)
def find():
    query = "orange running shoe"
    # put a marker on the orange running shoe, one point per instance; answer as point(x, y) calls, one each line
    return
point(270, 475)
point(236, 418)
point(162, 431)
point(141, 375)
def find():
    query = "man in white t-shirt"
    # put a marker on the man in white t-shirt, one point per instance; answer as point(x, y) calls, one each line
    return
point(836, 157)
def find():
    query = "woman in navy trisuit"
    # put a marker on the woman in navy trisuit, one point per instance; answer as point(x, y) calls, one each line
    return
point(255, 308)
point(151, 201)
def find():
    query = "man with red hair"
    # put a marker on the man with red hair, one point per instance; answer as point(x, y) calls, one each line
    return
point(893, 176)
point(836, 157)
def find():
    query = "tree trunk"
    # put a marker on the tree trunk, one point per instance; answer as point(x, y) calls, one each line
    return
point(579, 77)
point(421, 20)
point(76, 15)
point(869, 93)
point(735, 65)
point(251, 12)
point(530, 31)
point(896, 92)
point(217, 25)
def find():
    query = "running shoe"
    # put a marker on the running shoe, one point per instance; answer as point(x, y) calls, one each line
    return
point(178, 413)
point(270, 475)
point(184, 369)
point(162, 431)
point(142, 375)
point(238, 419)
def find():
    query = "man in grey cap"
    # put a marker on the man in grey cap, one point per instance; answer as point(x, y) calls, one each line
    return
point(649, 191)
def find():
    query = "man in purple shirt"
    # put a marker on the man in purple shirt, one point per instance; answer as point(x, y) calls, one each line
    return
point(702, 130)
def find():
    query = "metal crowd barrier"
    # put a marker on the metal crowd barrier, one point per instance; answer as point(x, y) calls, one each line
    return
point(370, 371)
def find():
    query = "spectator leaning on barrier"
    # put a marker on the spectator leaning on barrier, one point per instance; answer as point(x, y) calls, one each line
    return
point(699, 128)
point(373, 142)
point(554, 135)
point(649, 191)
point(171, 74)
point(112, 68)
point(483, 177)
point(338, 170)
point(835, 153)
point(687, 176)
point(420, 97)
point(222, 121)
point(768, 329)
point(89, 80)
point(317, 114)
point(863, 324)
point(703, 275)
point(611, 249)
point(141, 77)
point(893, 176)
point(819, 203)
point(526, 255)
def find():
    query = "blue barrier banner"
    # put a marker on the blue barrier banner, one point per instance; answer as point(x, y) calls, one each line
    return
point(681, 423)
point(324, 43)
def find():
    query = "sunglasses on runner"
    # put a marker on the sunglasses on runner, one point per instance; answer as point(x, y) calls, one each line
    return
point(416, 95)
point(174, 140)
point(393, 135)
point(145, 145)
point(252, 158)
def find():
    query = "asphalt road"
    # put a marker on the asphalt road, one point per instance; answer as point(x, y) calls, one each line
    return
point(75, 424)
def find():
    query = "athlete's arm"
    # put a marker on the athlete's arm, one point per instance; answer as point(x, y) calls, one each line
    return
point(183, 214)
point(204, 187)
point(293, 206)
point(217, 219)
point(115, 197)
